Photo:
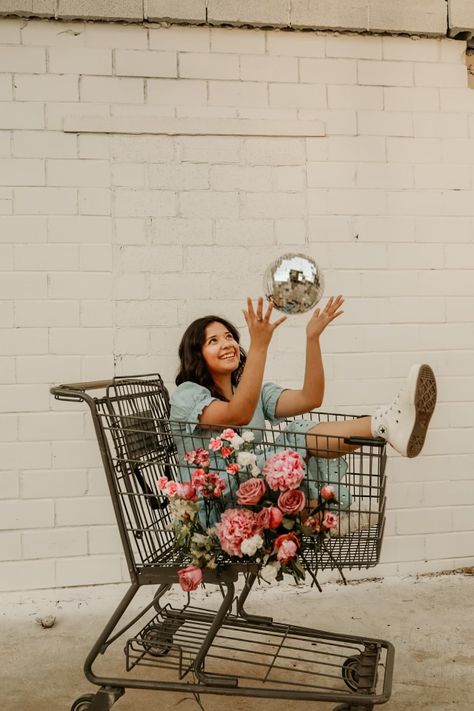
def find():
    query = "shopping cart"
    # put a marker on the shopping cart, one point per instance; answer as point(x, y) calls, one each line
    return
point(226, 651)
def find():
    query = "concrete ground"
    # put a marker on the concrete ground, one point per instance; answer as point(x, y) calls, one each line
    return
point(430, 620)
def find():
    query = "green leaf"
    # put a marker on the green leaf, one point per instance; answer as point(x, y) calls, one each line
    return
point(288, 523)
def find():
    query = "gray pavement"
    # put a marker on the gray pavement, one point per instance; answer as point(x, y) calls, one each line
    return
point(430, 620)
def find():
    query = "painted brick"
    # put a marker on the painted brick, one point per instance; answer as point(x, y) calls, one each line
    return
point(255, 205)
point(238, 41)
point(296, 44)
point(45, 201)
point(8, 427)
point(355, 97)
point(246, 179)
point(96, 313)
point(18, 576)
point(182, 38)
point(48, 369)
point(46, 313)
point(130, 230)
point(64, 60)
point(188, 10)
point(27, 514)
point(146, 203)
point(124, 10)
point(112, 89)
point(23, 286)
point(52, 544)
point(266, 12)
point(78, 173)
point(10, 483)
point(222, 93)
point(21, 398)
point(208, 66)
point(411, 99)
point(378, 123)
point(439, 75)
point(443, 125)
point(95, 258)
point(88, 571)
point(45, 144)
point(357, 148)
point(274, 151)
point(77, 285)
point(46, 88)
point(7, 316)
point(10, 546)
point(385, 73)
point(328, 71)
point(201, 203)
point(289, 95)
point(416, 49)
point(139, 63)
point(10, 31)
point(457, 177)
point(21, 115)
point(384, 176)
point(181, 231)
point(153, 149)
point(48, 426)
point(85, 341)
point(56, 113)
point(94, 201)
point(355, 47)
point(281, 69)
point(413, 150)
point(16, 171)
point(46, 257)
point(185, 176)
point(50, 33)
point(143, 259)
point(104, 539)
point(78, 230)
point(128, 175)
point(101, 35)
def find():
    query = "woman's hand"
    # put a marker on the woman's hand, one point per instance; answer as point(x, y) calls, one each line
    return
point(260, 328)
point(322, 318)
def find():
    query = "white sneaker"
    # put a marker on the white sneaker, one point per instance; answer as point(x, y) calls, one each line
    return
point(405, 421)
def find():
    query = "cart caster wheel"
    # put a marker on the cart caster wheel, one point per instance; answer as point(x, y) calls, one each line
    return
point(350, 674)
point(157, 642)
point(83, 703)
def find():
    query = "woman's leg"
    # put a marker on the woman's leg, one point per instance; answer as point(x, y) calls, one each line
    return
point(326, 439)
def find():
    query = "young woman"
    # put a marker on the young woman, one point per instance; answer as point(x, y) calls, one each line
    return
point(219, 384)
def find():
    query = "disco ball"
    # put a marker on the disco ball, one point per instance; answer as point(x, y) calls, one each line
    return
point(293, 283)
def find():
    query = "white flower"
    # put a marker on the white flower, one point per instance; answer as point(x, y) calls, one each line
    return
point(246, 459)
point(255, 471)
point(248, 436)
point(236, 441)
point(270, 572)
point(249, 546)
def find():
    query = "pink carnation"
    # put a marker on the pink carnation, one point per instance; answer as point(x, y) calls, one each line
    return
point(330, 521)
point(226, 452)
point(284, 470)
point(186, 491)
point(208, 484)
point(197, 456)
point(235, 526)
point(228, 434)
point(172, 488)
point(233, 468)
point(215, 444)
point(162, 482)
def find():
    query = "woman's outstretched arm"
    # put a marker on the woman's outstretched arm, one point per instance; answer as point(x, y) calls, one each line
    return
point(241, 406)
point(296, 402)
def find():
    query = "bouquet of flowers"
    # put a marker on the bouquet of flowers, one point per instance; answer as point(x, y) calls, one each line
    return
point(267, 526)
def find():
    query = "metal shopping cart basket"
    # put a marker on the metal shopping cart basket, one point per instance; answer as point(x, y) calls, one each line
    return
point(226, 651)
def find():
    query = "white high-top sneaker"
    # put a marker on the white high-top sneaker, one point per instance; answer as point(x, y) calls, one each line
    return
point(404, 423)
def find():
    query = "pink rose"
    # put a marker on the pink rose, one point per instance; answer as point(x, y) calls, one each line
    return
point(269, 517)
point(215, 444)
point(328, 492)
point(190, 578)
point(228, 434)
point(330, 521)
point(292, 501)
point(233, 468)
point(276, 517)
point(285, 470)
point(250, 492)
point(286, 546)
point(235, 526)
point(162, 482)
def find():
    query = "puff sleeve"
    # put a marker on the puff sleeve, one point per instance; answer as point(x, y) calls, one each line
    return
point(187, 403)
point(269, 398)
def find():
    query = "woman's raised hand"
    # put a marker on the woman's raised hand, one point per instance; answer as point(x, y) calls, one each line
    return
point(323, 317)
point(258, 322)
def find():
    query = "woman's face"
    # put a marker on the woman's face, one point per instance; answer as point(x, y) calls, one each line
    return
point(220, 350)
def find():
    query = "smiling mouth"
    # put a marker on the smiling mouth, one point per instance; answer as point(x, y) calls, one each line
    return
point(228, 356)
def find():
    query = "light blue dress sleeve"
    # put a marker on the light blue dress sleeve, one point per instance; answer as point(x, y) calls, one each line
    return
point(187, 403)
point(268, 399)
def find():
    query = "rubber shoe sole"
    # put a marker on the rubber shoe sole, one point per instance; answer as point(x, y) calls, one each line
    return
point(425, 401)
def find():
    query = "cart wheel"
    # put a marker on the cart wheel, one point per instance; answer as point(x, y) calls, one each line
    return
point(350, 673)
point(157, 642)
point(83, 703)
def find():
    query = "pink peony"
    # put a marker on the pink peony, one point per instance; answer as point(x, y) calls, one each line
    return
point(233, 468)
point(215, 444)
point(228, 434)
point(292, 501)
point(235, 526)
point(286, 546)
point(190, 578)
point(328, 492)
point(250, 492)
point(330, 521)
point(284, 470)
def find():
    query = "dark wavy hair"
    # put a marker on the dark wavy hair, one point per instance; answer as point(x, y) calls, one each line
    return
point(192, 364)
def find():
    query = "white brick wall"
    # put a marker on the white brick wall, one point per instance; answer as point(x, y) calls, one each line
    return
point(110, 244)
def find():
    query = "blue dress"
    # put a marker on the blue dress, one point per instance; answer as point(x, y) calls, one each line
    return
point(189, 400)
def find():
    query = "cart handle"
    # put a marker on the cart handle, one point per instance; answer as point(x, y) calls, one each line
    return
point(369, 441)
point(76, 392)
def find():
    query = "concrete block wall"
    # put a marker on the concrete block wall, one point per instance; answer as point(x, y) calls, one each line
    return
point(111, 243)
